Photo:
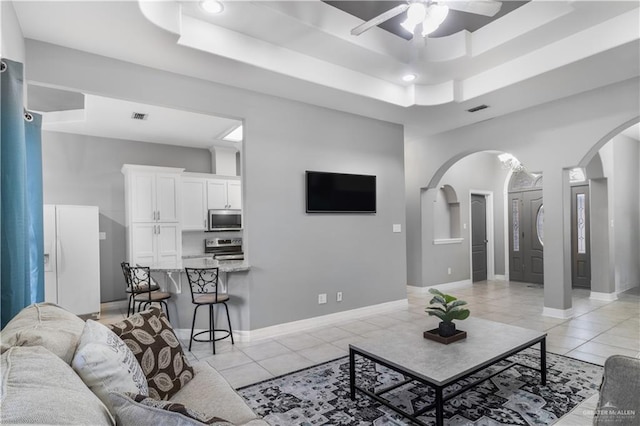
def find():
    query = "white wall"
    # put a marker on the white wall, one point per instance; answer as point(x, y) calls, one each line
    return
point(294, 256)
point(11, 39)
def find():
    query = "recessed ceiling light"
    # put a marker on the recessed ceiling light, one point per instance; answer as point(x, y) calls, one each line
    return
point(408, 77)
point(211, 6)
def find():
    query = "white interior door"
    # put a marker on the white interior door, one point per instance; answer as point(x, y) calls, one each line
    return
point(78, 259)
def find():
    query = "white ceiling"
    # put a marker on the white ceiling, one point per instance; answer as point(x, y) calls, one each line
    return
point(303, 50)
point(111, 118)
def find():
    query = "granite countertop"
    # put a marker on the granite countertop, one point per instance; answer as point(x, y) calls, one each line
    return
point(201, 262)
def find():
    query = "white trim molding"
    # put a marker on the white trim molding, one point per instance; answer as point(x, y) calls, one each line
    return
point(557, 313)
point(309, 323)
point(441, 241)
point(444, 286)
point(607, 297)
point(500, 277)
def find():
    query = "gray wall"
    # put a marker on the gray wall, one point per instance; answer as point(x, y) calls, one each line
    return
point(294, 256)
point(621, 167)
point(480, 172)
point(85, 170)
point(548, 138)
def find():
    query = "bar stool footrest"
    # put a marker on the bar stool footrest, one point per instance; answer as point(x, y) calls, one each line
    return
point(227, 335)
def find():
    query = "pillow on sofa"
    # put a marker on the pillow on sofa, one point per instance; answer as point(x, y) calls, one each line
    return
point(47, 325)
point(150, 337)
point(142, 410)
point(39, 388)
point(105, 363)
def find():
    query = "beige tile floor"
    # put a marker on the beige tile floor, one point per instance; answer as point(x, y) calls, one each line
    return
point(598, 329)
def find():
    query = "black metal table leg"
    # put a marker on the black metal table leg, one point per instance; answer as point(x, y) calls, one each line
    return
point(352, 373)
point(439, 407)
point(543, 360)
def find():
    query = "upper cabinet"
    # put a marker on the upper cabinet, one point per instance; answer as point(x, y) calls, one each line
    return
point(194, 204)
point(153, 196)
point(201, 193)
point(224, 194)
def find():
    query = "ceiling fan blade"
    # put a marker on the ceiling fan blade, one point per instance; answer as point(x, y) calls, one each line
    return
point(379, 19)
point(478, 7)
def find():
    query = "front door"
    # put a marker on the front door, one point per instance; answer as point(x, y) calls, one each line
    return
point(580, 242)
point(526, 238)
point(479, 237)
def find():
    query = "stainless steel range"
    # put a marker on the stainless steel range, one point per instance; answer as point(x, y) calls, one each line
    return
point(224, 248)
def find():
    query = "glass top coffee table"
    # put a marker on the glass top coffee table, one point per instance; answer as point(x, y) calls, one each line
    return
point(437, 365)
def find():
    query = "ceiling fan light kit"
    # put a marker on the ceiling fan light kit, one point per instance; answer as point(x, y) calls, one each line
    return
point(430, 13)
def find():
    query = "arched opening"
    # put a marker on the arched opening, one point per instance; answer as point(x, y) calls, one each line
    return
point(463, 220)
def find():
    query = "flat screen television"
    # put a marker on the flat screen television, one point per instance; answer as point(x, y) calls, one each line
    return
point(340, 193)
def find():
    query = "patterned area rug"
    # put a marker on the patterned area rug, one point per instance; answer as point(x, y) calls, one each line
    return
point(320, 395)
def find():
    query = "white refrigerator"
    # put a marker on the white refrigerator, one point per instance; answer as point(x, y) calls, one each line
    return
point(72, 258)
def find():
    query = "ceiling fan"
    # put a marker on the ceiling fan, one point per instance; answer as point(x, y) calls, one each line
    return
point(430, 13)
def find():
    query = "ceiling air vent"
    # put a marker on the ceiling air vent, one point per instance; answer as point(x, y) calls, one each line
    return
point(139, 116)
point(478, 108)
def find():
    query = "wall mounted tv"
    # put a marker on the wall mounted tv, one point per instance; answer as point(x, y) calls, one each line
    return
point(340, 193)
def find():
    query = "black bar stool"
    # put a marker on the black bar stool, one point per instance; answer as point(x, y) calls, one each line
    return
point(131, 306)
point(141, 286)
point(204, 286)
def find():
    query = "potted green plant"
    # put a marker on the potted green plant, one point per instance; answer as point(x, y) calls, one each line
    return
point(447, 308)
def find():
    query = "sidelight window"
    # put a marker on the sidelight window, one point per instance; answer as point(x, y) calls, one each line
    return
point(581, 223)
point(540, 225)
point(515, 211)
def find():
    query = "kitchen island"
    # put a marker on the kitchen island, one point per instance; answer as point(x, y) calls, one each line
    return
point(174, 270)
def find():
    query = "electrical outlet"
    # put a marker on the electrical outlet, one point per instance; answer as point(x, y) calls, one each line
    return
point(449, 271)
point(322, 298)
point(103, 235)
point(397, 227)
point(339, 297)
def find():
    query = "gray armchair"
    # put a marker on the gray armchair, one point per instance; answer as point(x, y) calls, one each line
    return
point(619, 402)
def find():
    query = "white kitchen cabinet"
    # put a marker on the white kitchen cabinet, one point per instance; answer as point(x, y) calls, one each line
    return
point(224, 194)
point(194, 204)
point(155, 243)
point(154, 197)
point(153, 210)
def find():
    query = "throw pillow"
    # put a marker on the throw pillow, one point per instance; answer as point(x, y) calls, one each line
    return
point(150, 337)
point(105, 363)
point(142, 410)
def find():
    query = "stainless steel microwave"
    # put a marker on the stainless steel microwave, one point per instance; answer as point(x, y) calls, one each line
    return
point(225, 220)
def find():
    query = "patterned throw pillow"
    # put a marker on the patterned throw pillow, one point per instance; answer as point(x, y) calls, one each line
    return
point(105, 363)
point(143, 410)
point(150, 337)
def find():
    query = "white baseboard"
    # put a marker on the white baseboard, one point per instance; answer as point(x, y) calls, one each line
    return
point(116, 304)
point(557, 313)
point(607, 297)
point(323, 320)
point(442, 287)
point(499, 277)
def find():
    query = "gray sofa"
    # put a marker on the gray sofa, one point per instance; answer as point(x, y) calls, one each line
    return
point(39, 386)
